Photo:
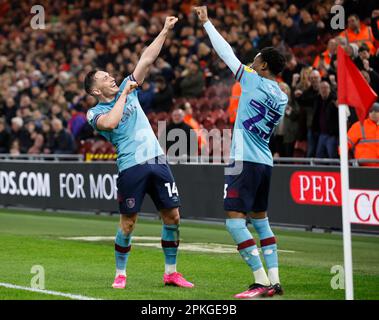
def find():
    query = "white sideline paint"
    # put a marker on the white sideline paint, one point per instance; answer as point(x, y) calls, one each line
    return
point(109, 238)
point(195, 247)
point(49, 292)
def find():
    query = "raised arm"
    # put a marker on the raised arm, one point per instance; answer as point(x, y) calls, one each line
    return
point(152, 51)
point(110, 120)
point(222, 48)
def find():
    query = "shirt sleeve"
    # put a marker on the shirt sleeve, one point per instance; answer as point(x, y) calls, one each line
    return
point(92, 117)
point(222, 47)
point(123, 84)
point(247, 77)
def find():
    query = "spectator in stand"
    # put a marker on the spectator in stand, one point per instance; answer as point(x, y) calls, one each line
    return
point(306, 102)
point(192, 122)
point(289, 123)
point(10, 109)
point(364, 62)
point(163, 95)
point(372, 79)
point(352, 50)
point(248, 52)
point(36, 138)
point(19, 133)
point(180, 136)
point(290, 31)
point(375, 24)
point(308, 29)
point(63, 140)
point(322, 61)
point(325, 122)
point(15, 148)
point(192, 84)
point(301, 82)
point(48, 137)
point(292, 67)
point(76, 121)
point(363, 138)
point(56, 112)
point(146, 96)
point(5, 137)
point(357, 32)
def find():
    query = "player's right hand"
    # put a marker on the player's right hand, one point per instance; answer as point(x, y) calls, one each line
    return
point(202, 13)
point(129, 87)
point(170, 22)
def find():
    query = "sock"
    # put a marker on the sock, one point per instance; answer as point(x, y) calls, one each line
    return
point(122, 247)
point(169, 268)
point(247, 248)
point(170, 243)
point(268, 247)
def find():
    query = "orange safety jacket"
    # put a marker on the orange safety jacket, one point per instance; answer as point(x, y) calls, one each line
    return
point(189, 120)
point(233, 101)
point(323, 59)
point(364, 35)
point(364, 141)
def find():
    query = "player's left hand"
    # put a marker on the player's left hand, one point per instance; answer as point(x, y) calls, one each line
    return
point(202, 13)
point(170, 23)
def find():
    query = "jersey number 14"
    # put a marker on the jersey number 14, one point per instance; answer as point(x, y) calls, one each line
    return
point(171, 189)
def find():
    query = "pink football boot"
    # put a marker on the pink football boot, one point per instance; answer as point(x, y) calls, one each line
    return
point(119, 282)
point(176, 279)
point(255, 290)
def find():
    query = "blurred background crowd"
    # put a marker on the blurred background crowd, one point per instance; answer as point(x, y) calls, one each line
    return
point(43, 104)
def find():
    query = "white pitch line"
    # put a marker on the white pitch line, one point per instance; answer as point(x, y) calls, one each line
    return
point(109, 238)
point(53, 293)
point(196, 247)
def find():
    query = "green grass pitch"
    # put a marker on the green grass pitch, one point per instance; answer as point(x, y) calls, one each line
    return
point(87, 268)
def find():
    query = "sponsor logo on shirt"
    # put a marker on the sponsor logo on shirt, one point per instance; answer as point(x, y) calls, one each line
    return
point(128, 112)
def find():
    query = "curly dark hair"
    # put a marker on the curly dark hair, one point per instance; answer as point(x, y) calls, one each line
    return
point(274, 58)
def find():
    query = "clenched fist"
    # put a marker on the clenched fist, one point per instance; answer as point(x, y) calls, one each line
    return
point(202, 13)
point(129, 87)
point(170, 23)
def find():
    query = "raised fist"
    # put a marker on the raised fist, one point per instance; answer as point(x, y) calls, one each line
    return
point(202, 13)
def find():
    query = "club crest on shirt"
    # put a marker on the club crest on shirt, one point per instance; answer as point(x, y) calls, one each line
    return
point(130, 203)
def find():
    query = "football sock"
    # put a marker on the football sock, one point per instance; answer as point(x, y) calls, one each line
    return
point(170, 243)
point(169, 268)
point(268, 247)
point(247, 248)
point(122, 247)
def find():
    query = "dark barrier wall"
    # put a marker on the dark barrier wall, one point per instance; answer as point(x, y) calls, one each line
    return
point(300, 195)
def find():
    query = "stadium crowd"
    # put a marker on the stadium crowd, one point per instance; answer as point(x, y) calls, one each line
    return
point(43, 104)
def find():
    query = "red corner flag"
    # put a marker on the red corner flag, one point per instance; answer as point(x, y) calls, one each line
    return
point(353, 88)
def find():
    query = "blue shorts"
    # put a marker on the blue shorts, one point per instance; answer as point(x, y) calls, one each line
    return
point(248, 191)
point(155, 179)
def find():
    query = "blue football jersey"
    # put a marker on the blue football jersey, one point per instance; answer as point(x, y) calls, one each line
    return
point(260, 109)
point(133, 138)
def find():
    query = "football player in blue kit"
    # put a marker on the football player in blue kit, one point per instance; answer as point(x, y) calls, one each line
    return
point(141, 162)
point(260, 109)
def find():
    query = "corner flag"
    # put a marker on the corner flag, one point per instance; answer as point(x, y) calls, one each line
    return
point(353, 90)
